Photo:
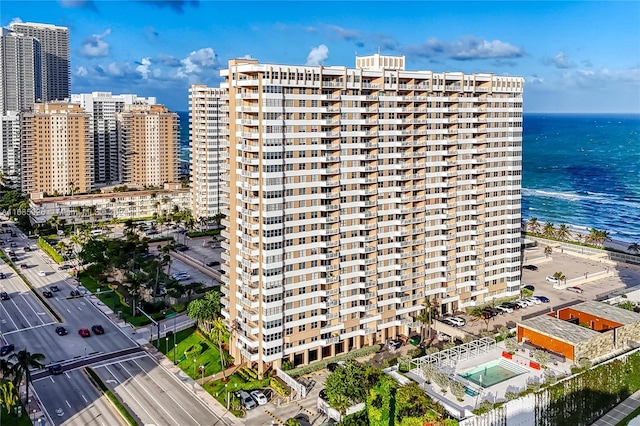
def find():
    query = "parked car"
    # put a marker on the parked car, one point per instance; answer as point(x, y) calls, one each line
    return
point(84, 332)
point(533, 300)
point(454, 321)
point(213, 263)
point(245, 399)
point(529, 287)
point(7, 349)
point(24, 266)
point(4, 295)
point(511, 305)
point(521, 303)
point(575, 289)
point(530, 267)
point(443, 337)
point(42, 273)
point(65, 267)
point(489, 312)
point(182, 248)
point(543, 299)
point(552, 280)
point(97, 329)
point(258, 397)
point(2, 276)
point(61, 331)
point(527, 302)
point(504, 309)
point(55, 369)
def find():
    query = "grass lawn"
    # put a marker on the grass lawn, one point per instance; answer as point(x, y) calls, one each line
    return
point(185, 340)
point(219, 389)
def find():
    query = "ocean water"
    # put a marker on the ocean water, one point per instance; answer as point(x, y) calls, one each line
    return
point(578, 169)
point(583, 170)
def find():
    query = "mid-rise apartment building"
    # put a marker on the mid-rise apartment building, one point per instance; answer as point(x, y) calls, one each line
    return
point(57, 149)
point(209, 148)
point(55, 69)
point(104, 107)
point(149, 142)
point(20, 80)
point(357, 193)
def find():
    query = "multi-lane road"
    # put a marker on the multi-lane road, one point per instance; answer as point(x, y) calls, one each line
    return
point(151, 393)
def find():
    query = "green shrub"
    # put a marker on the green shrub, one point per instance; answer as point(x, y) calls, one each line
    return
point(53, 253)
point(279, 387)
point(320, 365)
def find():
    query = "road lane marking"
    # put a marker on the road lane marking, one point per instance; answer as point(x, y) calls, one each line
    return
point(79, 308)
point(51, 378)
point(83, 397)
point(6, 315)
point(31, 307)
point(68, 310)
point(29, 328)
point(144, 388)
point(132, 397)
point(67, 403)
point(167, 394)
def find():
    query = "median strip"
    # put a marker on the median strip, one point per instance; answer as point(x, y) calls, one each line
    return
point(98, 383)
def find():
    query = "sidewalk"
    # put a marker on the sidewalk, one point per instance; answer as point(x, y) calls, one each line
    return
point(622, 410)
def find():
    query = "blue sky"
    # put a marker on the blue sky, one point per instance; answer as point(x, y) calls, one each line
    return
point(575, 56)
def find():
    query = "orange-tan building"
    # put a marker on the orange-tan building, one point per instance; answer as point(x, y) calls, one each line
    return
point(57, 149)
point(586, 330)
point(354, 194)
point(149, 141)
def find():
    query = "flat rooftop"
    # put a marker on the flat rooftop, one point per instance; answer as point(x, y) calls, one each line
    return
point(607, 311)
point(559, 329)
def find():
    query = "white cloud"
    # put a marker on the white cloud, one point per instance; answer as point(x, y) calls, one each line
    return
point(16, 20)
point(197, 61)
point(560, 60)
point(143, 68)
point(317, 55)
point(81, 71)
point(465, 48)
point(94, 45)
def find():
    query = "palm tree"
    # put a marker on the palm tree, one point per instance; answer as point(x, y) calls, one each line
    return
point(547, 251)
point(534, 225)
point(548, 230)
point(217, 335)
point(425, 317)
point(634, 248)
point(560, 277)
point(8, 394)
point(598, 236)
point(563, 232)
point(22, 363)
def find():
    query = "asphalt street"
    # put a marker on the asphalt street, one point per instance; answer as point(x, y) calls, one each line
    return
point(156, 396)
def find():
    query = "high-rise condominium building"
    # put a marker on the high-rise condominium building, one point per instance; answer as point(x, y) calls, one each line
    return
point(57, 149)
point(10, 149)
point(356, 194)
point(209, 143)
point(149, 142)
point(20, 82)
point(54, 64)
point(104, 106)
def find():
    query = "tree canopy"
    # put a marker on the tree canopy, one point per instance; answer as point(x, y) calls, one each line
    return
point(351, 380)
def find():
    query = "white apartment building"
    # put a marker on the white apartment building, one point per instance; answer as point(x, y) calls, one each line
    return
point(356, 193)
point(209, 148)
point(10, 149)
point(104, 106)
point(92, 208)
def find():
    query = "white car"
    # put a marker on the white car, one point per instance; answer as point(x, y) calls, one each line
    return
point(42, 274)
point(504, 309)
point(533, 300)
point(454, 321)
point(553, 280)
point(522, 303)
point(181, 277)
point(258, 397)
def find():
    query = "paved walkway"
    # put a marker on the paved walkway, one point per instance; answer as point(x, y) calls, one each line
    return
point(622, 410)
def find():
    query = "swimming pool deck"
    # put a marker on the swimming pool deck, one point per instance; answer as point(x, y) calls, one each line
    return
point(493, 393)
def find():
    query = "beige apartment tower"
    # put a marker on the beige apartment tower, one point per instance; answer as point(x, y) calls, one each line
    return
point(149, 141)
point(57, 149)
point(357, 193)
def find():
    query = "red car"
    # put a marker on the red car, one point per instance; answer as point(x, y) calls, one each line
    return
point(84, 332)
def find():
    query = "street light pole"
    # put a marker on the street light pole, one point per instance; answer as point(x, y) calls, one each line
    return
point(194, 367)
point(174, 351)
